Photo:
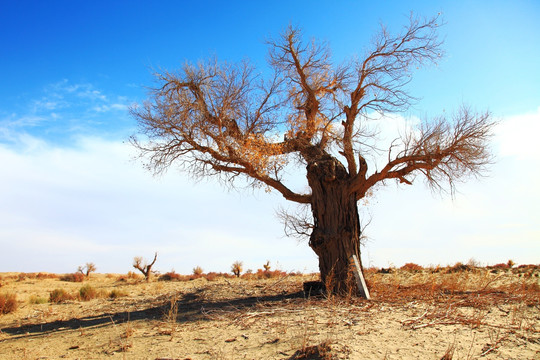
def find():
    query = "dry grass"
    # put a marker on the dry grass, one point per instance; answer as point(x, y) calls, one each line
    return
point(59, 296)
point(450, 312)
point(8, 303)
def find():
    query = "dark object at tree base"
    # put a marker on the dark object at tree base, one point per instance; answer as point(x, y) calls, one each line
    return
point(314, 288)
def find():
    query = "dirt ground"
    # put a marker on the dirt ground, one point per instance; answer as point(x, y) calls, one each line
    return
point(476, 314)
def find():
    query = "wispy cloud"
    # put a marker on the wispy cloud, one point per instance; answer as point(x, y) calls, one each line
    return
point(64, 110)
point(109, 210)
point(111, 107)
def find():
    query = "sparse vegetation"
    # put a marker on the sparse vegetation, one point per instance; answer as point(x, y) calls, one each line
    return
point(75, 277)
point(8, 303)
point(412, 267)
point(268, 307)
point(34, 299)
point(116, 293)
point(59, 296)
point(87, 292)
point(198, 271)
point(129, 276)
point(171, 276)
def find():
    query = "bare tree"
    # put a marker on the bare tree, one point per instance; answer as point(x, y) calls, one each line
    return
point(143, 266)
point(87, 269)
point(226, 120)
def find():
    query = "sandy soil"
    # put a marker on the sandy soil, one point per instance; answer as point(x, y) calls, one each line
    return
point(411, 316)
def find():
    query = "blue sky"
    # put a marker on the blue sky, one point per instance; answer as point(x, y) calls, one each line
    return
point(71, 192)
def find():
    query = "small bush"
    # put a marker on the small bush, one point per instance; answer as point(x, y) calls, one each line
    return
point(264, 274)
point(87, 292)
point(115, 294)
point(510, 263)
point(501, 266)
point(213, 276)
point(171, 276)
point(24, 276)
point(34, 299)
point(42, 276)
point(75, 277)
point(474, 263)
point(198, 271)
point(58, 296)
point(458, 267)
point(129, 276)
point(8, 303)
point(411, 267)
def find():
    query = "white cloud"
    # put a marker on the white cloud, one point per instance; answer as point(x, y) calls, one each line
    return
point(62, 207)
point(69, 206)
point(64, 110)
point(105, 108)
point(491, 219)
point(518, 136)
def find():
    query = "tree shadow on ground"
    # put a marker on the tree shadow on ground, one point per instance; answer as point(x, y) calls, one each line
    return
point(191, 307)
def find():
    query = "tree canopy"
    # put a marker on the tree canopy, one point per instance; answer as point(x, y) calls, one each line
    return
point(216, 118)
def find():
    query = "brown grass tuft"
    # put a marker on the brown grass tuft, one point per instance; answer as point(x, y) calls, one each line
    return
point(8, 303)
point(59, 295)
point(75, 277)
point(322, 351)
point(412, 267)
point(87, 292)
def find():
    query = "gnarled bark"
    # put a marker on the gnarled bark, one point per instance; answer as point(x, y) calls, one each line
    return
point(336, 233)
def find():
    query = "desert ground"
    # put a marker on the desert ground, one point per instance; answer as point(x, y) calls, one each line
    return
point(459, 312)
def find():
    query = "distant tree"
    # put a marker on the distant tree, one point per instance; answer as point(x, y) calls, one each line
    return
point(87, 269)
point(236, 268)
point(143, 266)
point(226, 120)
point(198, 271)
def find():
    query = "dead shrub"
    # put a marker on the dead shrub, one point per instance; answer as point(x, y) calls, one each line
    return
point(269, 274)
point(87, 293)
point(412, 267)
point(198, 271)
point(74, 277)
point(116, 293)
point(171, 276)
point(43, 276)
point(8, 303)
point(59, 296)
point(323, 351)
point(129, 276)
point(213, 276)
point(34, 299)
point(24, 276)
point(458, 267)
point(501, 266)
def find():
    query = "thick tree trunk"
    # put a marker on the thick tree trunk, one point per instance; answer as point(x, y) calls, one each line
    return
point(336, 234)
